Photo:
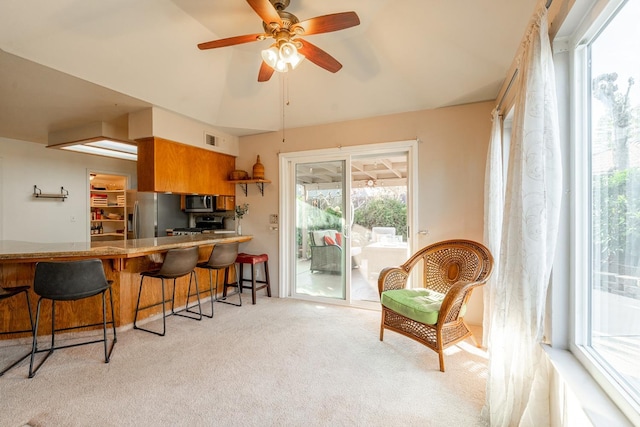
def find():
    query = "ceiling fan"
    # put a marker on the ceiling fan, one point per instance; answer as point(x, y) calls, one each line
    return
point(285, 28)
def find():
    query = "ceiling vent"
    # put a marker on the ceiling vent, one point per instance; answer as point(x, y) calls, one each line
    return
point(211, 139)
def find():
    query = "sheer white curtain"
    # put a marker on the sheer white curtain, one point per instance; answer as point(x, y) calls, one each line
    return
point(517, 387)
point(493, 207)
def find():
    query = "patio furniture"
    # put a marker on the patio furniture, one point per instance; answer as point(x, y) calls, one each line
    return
point(326, 251)
point(433, 313)
point(378, 234)
point(384, 254)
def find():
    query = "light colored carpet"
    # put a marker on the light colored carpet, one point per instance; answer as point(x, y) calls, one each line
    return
point(281, 362)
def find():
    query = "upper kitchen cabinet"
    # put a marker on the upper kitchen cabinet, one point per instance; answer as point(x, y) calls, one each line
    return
point(168, 166)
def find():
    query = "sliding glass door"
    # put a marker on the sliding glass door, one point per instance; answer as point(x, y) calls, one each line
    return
point(320, 229)
point(346, 216)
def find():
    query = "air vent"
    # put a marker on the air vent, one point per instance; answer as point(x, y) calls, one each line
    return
point(211, 139)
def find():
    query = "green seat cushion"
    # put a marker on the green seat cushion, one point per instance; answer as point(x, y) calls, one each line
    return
point(421, 305)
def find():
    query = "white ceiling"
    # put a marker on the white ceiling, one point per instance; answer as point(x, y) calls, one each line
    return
point(66, 63)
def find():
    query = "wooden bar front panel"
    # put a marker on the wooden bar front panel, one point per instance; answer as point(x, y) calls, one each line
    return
point(126, 282)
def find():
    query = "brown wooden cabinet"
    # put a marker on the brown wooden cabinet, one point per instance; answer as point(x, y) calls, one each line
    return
point(168, 166)
point(225, 203)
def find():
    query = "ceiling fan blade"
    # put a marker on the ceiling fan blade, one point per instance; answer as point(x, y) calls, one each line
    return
point(265, 72)
point(266, 11)
point(230, 41)
point(328, 23)
point(319, 57)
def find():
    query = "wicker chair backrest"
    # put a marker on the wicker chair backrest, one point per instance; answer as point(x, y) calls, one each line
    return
point(451, 261)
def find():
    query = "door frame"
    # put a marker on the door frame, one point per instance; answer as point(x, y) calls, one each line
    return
point(286, 238)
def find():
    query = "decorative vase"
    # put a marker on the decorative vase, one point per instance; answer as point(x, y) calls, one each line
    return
point(258, 169)
point(239, 229)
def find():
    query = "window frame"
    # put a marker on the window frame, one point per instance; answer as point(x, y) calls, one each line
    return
point(595, 20)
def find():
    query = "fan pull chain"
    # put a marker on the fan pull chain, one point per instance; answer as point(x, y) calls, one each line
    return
point(285, 102)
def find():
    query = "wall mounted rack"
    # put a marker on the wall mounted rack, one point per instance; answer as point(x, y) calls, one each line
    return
point(37, 193)
point(259, 182)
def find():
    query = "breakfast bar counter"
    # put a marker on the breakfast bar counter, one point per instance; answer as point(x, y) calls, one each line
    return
point(122, 260)
point(17, 251)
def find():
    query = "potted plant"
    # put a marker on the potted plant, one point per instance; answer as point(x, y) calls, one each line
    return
point(241, 211)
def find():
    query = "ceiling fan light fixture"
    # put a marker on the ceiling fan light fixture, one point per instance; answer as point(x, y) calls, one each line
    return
point(284, 28)
point(282, 58)
point(296, 60)
point(281, 66)
point(289, 54)
point(288, 51)
point(271, 56)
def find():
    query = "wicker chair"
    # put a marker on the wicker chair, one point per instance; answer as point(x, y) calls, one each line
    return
point(324, 257)
point(451, 270)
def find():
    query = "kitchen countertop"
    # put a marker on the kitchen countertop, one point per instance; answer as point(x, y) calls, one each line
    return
point(12, 250)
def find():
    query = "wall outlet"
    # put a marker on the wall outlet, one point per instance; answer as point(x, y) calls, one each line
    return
point(72, 219)
point(273, 219)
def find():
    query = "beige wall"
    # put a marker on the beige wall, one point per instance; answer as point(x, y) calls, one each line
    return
point(175, 127)
point(451, 162)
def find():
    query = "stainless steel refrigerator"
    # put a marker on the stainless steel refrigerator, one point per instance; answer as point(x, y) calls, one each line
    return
point(151, 214)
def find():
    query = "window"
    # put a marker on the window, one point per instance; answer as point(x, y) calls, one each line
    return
point(608, 331)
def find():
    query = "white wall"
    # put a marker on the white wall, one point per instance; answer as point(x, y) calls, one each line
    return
point(25, 164)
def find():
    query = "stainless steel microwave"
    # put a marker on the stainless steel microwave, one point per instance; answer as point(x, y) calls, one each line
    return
point(199, 204)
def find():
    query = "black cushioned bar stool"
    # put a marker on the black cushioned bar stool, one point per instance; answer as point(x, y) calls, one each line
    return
point(223, 256)
point(71, 281)
point(5, 294)
point(253, 260)
point(177, 263)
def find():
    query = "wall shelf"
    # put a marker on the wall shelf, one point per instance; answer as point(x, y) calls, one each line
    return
point(37, 193)
point(259, 182)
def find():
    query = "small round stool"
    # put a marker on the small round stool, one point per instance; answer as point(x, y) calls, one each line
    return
point(253, 260)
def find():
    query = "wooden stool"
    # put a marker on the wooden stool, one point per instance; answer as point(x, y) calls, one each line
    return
point(253, 260)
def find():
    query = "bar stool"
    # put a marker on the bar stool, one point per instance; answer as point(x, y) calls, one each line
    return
point(6, 293)
point(223, 256)
point(177, 263)
point(253, 260)
point(71, 281)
